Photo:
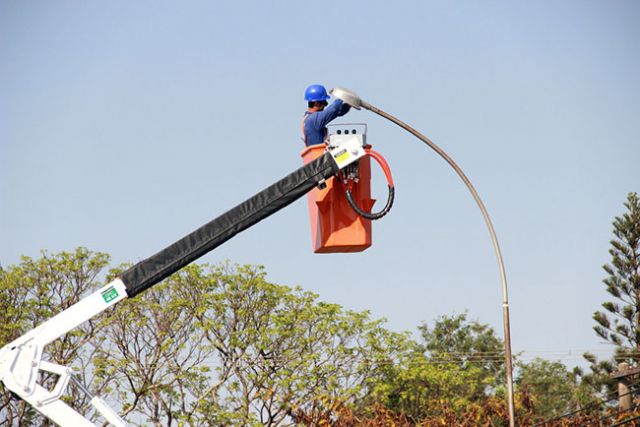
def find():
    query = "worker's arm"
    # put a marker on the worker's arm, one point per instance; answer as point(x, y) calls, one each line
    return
point(322, 118)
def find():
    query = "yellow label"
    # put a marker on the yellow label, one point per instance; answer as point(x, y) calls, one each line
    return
point(342, 156)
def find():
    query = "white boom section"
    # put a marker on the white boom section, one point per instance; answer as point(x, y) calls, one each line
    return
point(21, 360)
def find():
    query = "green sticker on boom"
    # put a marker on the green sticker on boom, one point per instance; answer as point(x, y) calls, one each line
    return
point(110, 294)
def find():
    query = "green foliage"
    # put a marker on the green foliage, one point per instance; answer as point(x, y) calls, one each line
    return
point(619, 323)
point(418, 388)
point(221, 345)
point(454, 369)
point(35, 290)
point(552, 387)
point(154, 353)
point(281, 348)
point(470, 345)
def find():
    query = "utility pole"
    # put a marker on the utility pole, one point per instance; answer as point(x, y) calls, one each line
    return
point(624, 374)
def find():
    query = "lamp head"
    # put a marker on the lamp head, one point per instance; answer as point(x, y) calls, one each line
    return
point(347, 96)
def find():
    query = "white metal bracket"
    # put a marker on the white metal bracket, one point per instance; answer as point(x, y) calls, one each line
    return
point(21, 360)
point(346, 149)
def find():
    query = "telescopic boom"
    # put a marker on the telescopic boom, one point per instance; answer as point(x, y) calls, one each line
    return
point(21, 360)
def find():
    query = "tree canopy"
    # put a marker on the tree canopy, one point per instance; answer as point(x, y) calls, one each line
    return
point(220, 345)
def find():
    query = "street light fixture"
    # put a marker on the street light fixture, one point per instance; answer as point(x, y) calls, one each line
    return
point(355, 101)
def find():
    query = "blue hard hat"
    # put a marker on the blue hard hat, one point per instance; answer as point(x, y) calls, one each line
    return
point(316, 93)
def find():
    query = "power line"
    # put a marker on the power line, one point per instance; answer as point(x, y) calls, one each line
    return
point(588, 407)
point(627, 421)
point(545, 352)
point(480, 359)
point(614, 414)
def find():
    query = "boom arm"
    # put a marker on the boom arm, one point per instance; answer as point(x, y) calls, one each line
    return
point(21, 360)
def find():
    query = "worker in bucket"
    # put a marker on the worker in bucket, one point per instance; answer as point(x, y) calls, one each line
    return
point(319, 113)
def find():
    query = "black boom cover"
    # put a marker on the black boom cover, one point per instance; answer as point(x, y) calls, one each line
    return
point(152, 270)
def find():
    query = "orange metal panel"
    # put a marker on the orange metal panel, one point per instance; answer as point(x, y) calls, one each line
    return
point(335, 227)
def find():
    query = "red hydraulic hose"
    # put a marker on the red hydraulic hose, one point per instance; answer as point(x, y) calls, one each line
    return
point(387, 172)
point(383, 164)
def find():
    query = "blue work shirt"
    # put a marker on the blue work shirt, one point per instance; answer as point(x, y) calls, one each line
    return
point(315, 124)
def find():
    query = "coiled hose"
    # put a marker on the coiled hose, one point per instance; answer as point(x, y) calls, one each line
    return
point(387, 172)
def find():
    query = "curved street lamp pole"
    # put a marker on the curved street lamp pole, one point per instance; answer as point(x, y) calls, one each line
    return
point(355, 101)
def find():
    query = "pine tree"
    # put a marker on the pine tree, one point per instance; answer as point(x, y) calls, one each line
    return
point(620, 322)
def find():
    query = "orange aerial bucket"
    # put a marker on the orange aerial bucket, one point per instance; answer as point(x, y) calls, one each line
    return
point(335, 226)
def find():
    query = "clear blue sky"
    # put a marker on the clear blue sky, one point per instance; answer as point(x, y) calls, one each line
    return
point(125, 125)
